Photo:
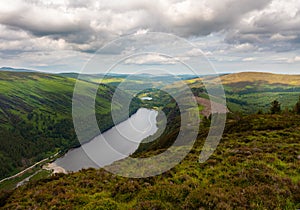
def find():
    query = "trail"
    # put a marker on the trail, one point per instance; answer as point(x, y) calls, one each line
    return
point(26, 179)
point(30, 167)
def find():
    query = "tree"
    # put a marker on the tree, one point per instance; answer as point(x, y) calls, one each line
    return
point(275, 107)
point(260, 112)
point(297, 107)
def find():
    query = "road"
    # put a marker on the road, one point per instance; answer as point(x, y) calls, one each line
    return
point(31, 167)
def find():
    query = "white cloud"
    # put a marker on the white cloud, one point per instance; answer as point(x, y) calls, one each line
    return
point(280, 37)
point(245, 47)
point(151, 59)
point(294, 59)
point(229, 30)
point(249, 59)
point(194, 52)
point(141, 31)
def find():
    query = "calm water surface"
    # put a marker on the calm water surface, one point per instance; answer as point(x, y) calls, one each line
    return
point(114, 144)
point(146, 98)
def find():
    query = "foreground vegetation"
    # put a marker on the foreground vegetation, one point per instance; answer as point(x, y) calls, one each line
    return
point(256, 165)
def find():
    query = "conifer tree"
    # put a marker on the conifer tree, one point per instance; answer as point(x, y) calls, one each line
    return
point(275, 107)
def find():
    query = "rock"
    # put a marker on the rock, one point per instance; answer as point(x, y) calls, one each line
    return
point(298, 157)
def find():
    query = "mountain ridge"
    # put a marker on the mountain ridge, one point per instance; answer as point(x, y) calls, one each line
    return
point(270, 78)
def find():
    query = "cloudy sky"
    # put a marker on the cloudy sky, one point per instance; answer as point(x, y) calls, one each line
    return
point(235, 35)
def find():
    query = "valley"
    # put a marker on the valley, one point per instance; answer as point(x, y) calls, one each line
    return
point(149, 105)
point(258, 154)
point(36, 117)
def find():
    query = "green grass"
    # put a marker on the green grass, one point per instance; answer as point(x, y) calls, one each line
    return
point(253, 102)
point(35, 174)
point(12, 183)
point(42, 174)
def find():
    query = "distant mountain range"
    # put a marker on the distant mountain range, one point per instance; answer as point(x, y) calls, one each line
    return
point(89, 77)
point(227, 78)
point(15, 70)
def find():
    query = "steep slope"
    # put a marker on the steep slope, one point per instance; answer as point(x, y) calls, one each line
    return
point(256, 166)
point(262, 78)
point(249, 92)
point(36, 117)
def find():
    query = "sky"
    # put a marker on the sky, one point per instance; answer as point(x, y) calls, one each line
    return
point(234, 35)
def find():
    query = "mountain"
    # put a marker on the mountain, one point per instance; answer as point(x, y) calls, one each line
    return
point(260, 78)
point(250, 92)
point(36, 116)
point(15, 70)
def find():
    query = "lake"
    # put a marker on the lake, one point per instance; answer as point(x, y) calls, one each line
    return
point(146, 98)
point(115, 144)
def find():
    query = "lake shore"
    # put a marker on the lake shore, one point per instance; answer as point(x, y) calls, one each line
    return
point(54, 168)
point(88, 157)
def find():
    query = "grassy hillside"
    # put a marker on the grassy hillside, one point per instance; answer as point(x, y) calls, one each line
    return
point(260, 77)
point(36, 117)
point(256, 166)
point(249, 92)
